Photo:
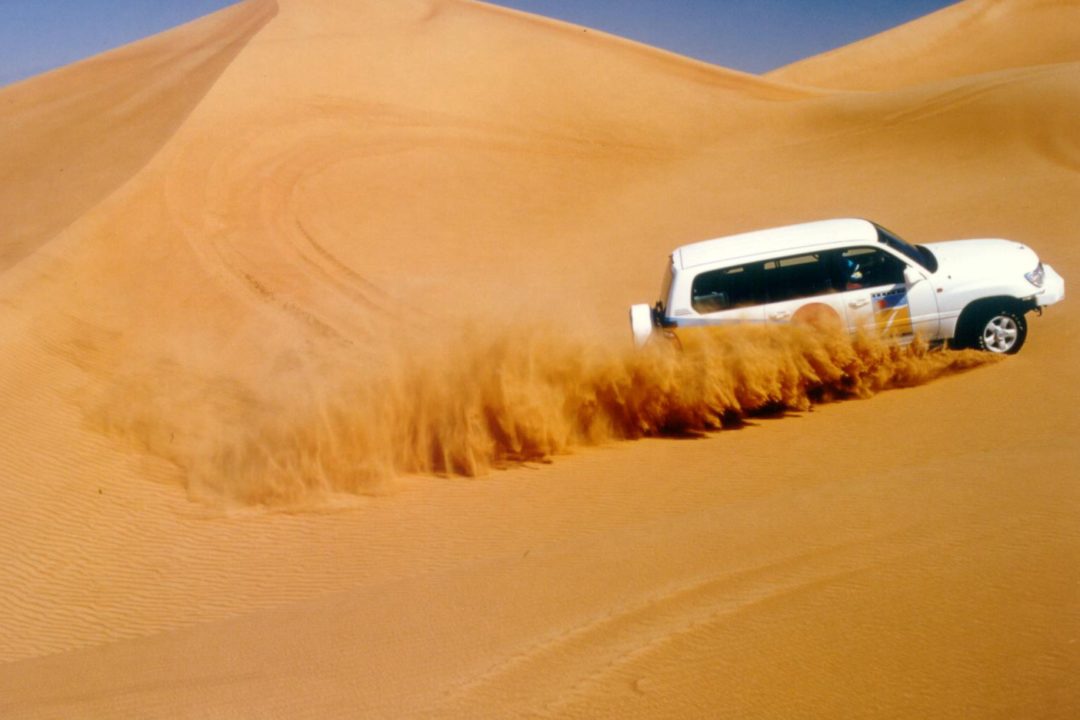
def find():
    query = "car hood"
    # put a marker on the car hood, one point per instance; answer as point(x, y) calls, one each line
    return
point(960, 259)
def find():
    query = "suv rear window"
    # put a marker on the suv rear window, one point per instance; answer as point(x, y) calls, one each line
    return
point(726, 289)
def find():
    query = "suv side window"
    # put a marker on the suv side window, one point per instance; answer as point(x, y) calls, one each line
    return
point(726, 289)
point(796, 277)
point(866, 268)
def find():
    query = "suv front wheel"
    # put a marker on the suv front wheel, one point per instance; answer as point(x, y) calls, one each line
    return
point(998, 330)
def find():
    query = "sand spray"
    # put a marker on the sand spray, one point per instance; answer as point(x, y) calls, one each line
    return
point(295, 433)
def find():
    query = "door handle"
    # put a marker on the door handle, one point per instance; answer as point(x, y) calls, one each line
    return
point(859, 303)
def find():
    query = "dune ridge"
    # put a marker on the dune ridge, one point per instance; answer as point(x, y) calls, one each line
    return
point(66, 143)
point(964, 39)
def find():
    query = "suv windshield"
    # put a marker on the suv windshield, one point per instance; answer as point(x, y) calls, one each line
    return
point(918, 253)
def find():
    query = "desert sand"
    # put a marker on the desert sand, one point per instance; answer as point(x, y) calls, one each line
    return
point(317, 399)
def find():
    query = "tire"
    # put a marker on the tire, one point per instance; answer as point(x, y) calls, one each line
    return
point(998, 330)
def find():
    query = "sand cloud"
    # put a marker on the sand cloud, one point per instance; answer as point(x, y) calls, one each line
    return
point(295, 433)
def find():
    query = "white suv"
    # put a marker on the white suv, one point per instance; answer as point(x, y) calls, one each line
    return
point(854, 273)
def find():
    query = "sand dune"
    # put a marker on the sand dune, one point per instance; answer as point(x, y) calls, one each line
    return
point(73, 136)
point(968, 38)
point(276, 282)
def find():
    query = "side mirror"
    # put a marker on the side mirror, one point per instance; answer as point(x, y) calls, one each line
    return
point(912, 276)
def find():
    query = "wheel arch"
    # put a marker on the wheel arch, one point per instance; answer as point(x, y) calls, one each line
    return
point(973, 309)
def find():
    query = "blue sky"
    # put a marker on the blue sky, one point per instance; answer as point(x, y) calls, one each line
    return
point(749, 35)
point(39, 35)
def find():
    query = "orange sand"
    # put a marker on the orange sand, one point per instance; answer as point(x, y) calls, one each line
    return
point(274, 284)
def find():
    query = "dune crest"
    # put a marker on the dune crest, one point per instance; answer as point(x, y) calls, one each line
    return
point(72, 136)
point(969, 38)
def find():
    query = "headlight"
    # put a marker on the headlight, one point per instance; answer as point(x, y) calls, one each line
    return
point(1036, 276)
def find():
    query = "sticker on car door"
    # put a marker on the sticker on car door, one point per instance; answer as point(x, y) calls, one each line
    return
point(892, 313)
